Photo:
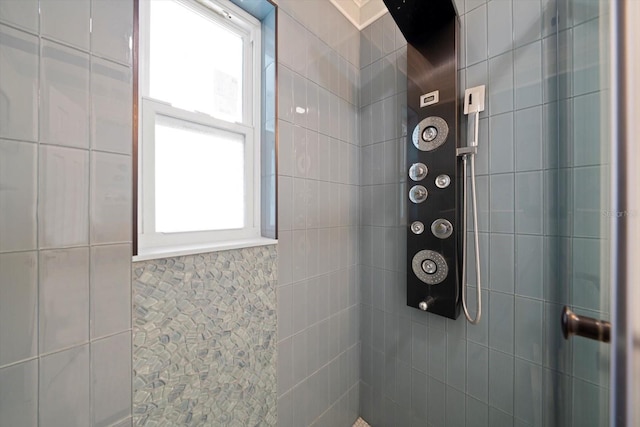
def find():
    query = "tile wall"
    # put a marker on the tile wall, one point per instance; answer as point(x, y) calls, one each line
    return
point(65, 198)
point(318, 86)
point(204, 339)
point(539, 229)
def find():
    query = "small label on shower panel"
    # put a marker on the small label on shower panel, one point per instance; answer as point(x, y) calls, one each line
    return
point(429, 98)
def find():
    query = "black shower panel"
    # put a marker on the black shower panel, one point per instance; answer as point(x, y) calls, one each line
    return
point(433, 173)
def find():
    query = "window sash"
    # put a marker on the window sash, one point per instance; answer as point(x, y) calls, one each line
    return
point(245, 25)
point(199, 177)
point(149, 238)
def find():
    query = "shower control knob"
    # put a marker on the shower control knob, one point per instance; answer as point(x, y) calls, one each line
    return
point(417, 227)
point(418, 194)
point(424, 305)
point(441, 228)
point(418, 171)
point(443, 181)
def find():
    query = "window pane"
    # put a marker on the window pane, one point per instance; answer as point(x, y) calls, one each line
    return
point(199, 178)
point(195, 63)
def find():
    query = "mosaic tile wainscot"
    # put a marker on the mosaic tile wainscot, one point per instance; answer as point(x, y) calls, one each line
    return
point(204, 337)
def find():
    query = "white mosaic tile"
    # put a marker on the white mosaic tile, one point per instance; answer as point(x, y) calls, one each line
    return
point(361, 423)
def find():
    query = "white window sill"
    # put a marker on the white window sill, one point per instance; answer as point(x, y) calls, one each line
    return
point(170, 252)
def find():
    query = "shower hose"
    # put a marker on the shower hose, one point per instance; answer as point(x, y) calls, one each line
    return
point(469, 158)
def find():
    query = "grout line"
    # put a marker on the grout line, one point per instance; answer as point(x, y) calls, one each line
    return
point(91, 144)
point(18, 362)
point(38, 201)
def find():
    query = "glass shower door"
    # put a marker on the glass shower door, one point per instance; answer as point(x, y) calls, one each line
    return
point(577, 242)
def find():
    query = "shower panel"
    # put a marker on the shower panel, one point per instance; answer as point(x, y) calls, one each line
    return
point(434, 177)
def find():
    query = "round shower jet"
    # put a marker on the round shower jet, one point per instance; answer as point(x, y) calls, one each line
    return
point(430, 267)
point(430, 133)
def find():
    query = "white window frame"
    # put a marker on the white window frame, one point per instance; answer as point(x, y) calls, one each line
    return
point(152, 244)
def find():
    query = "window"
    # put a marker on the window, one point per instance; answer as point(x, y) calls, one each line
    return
point(199, 148)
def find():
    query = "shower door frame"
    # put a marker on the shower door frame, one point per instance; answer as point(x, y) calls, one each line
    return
point(625, 228)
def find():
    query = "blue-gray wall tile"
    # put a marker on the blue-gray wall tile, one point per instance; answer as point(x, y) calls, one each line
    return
point(501, 273)
point(500, 27)
point(501, 322)
point(586, 59)
point(476, 35)
point(586, 130)
point(64, 388)
point(528, 392)
point(501, 144)
point(477, 372)
point(501, 87)
point(502, 203)
point(528, 140)
point(436, 401)
point(497, 418)
point(588, 291)
point(455, 408)
point(456, 363)
point(477, 412)
point(530, 260)
point(19, 394)
point(526, 21)
point(501, 381)
point(437, 350)
point(597, 411)
point(529, 332)
point(528, 74)
point(529, 202)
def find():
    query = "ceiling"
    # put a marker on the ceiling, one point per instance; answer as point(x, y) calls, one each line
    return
point(361, 12)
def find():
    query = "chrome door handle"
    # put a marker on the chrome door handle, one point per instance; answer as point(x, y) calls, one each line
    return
point(588, 327)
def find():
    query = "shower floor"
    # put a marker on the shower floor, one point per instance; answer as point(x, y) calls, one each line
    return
point(361, 423)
